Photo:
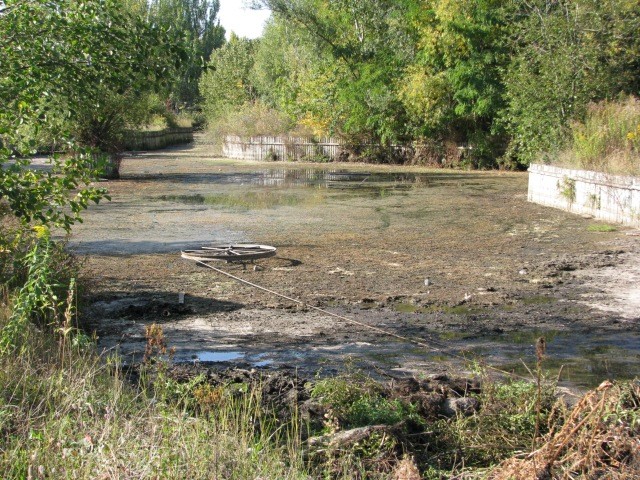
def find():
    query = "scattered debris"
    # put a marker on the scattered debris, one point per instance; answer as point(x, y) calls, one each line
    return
point(341, 271)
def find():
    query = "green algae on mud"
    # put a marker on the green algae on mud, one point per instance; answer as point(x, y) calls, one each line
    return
point(538, 300)
point(404, 307)
point(247, 201)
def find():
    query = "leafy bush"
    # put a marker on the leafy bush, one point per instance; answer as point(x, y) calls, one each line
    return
point(250, 120)
point(567, 54)
point(356, 403)
point(226, 85)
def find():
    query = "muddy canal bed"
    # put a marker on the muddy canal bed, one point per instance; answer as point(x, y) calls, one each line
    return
point(457, 260)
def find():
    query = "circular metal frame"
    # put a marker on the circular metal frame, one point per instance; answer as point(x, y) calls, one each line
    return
point(239, 252)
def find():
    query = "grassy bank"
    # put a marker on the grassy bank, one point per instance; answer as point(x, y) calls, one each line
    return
point(66, 413)
point(72, 415)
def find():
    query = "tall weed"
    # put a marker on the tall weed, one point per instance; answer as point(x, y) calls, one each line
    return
point(505, 424)
point(250, 120)
point(608, 140)
point(42, 275)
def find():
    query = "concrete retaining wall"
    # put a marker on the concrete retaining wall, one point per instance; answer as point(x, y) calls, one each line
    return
point(281, 148)
point(137, 141)
point(612, 198)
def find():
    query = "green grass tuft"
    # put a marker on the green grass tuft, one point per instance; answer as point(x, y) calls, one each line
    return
point(601, 227)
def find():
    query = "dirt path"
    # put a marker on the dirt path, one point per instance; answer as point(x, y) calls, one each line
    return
point(359, 241)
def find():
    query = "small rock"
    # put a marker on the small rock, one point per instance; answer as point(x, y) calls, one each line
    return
point(427, 282)
point(346, 438)
point(524, 271)
point(465, 406)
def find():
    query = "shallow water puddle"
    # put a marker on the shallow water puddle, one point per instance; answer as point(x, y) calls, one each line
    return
point(213, 356)
point(217, 356)
point(575, 361)
point(290, 187)
point(581, 360)
point(302, 177)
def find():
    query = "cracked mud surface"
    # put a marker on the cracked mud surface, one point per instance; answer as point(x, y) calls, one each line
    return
point(358, 241)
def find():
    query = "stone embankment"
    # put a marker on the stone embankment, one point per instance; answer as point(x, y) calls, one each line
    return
point(138, 141)
point(612, 198)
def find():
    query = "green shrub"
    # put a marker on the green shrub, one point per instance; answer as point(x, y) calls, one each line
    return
point(505, 424)
point(250, 120)
point(567, 54)
point(357, 403)
point(42, 274)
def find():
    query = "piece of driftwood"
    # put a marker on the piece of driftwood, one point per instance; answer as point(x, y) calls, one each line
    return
point(345, 438)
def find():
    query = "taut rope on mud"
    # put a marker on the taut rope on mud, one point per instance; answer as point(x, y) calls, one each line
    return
point(433, 345)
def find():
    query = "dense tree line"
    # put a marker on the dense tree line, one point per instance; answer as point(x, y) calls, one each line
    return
point(503, 78)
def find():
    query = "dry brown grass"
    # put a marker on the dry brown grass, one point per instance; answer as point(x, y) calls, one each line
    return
point(600, 439)
point(406, 469)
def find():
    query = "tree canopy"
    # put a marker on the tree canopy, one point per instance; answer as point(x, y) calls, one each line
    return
point(500, 77)
point(195, 23)
point(61, 61)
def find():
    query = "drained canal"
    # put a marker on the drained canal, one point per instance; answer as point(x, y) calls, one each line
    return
point(459, 260)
